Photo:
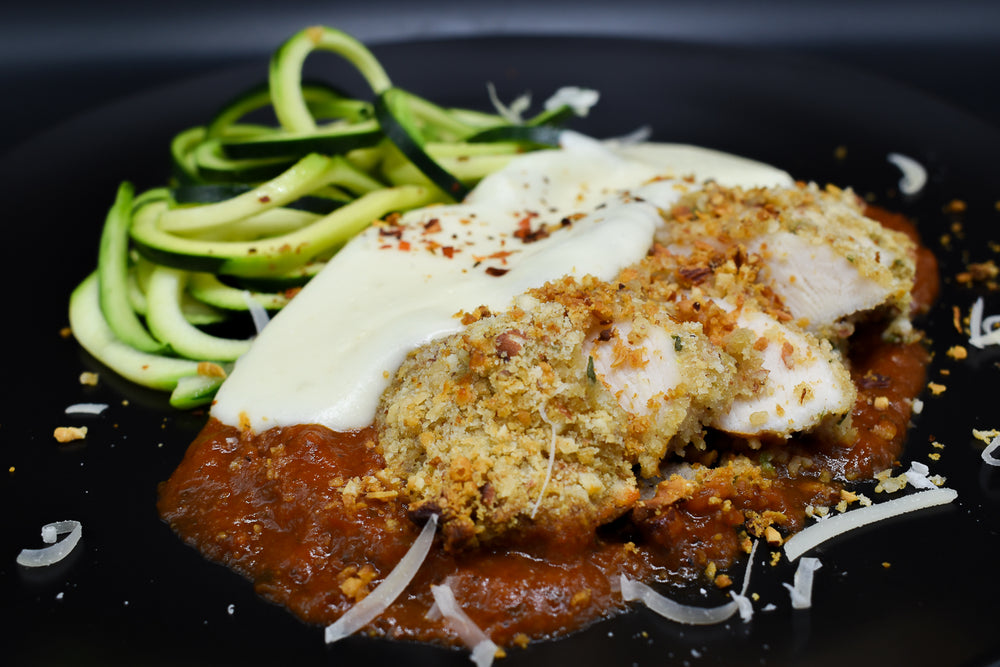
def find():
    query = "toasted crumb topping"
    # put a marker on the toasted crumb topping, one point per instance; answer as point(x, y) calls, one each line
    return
point(957, 352)
point(64, 434)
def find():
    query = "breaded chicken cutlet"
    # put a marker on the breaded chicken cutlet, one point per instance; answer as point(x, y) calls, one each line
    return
point(541, 420)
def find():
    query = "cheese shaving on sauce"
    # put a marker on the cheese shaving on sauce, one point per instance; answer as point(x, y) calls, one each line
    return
point(52, 554)
point(689, 614)
point(801, 588)
point(373, 604)
point(833, 526)
point(483, 648)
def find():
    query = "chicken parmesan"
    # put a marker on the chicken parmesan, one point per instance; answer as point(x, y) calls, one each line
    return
point(607, 360)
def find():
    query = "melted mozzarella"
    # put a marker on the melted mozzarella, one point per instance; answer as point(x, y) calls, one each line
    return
point(328, 356)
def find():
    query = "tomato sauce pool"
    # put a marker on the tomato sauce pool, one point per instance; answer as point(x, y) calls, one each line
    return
point(293, 510)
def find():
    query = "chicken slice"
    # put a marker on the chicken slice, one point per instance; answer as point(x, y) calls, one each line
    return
point(499, 431)
point(666, 375)
point(806, 382)
point(824, 258)
point(817, 285)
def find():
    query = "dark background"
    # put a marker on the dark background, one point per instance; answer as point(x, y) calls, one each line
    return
point(58, 59)
point(133, 594)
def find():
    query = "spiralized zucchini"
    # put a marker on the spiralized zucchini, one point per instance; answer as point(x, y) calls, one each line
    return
point(254, 209)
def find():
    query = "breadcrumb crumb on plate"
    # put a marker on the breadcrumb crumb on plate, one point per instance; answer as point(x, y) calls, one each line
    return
point(64, 434)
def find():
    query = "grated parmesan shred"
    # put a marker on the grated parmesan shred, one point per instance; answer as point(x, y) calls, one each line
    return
point(914, 176)
point(918, 476)
point(514, 113)
point(86, 408)
point(689, 614)
point(58, 550)
point(373, 604)
point(580, 100)
point(834, 526)
point(745, 607)
point(982, 332)
point(987, 453)
point(483, 648)
point(636, 136)
point(800, 590)
point(257, 312)
point(552, 460)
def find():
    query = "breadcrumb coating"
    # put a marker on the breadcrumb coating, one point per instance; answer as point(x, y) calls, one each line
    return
point(471, 421)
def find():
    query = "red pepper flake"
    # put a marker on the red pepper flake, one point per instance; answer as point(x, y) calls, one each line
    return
point(528, 235)
point(496, 272)
point(263, 199)
point(502, 255)
point(448, 251)
point(395, 232)
point(404, 245)
point(431, 226)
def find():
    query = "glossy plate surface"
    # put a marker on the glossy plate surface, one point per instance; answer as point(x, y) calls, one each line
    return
point(918, 590)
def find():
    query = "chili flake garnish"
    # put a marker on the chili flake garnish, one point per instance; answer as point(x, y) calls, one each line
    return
point(502, 255)
point(529, 235)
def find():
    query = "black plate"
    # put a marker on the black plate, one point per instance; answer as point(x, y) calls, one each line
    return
point(132, 593)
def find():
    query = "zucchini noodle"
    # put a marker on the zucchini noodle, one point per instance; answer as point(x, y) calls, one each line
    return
point(254, 210)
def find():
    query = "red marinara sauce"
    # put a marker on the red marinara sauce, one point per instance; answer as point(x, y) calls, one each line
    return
point(292, 510)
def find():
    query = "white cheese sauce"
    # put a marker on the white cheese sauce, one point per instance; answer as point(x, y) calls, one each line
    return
point(587, 208)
